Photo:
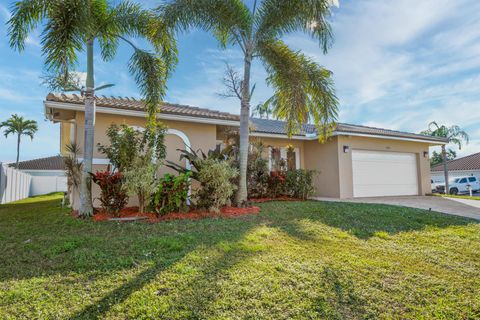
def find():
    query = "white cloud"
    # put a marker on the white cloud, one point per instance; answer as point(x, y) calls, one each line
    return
point(4, 12)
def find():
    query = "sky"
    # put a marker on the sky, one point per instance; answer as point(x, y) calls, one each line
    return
point(396, 64)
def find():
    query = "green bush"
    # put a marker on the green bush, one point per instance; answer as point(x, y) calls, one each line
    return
point(172, 193)
point(140, 179)
point(127, 143)
point(299, 183)
point(216, 178)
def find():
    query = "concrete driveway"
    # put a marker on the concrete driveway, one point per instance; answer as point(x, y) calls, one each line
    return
point(460, 207)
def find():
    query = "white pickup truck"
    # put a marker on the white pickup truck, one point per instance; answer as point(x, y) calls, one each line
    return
point(460, 185)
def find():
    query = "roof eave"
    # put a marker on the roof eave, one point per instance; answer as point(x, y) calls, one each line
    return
point(136, 113)
point(432, 142)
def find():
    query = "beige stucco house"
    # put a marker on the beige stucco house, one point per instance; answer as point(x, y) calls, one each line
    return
point(357, 161)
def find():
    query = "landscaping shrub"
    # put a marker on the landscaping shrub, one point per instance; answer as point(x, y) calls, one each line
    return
point(257, 172)
point(299, 183)
point(113, 196)
point(196, 159)
point(140, 179)
point(127, 143)
point(216, 178)
point(276, 183)
point(137, 154)
point(172, 193)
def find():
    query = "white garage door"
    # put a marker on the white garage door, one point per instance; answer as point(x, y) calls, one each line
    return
point(379, 173)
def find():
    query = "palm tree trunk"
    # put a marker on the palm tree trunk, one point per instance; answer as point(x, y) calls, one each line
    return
point(241, 196)
point(445, 170)
point(86, 207)
point(18, 151)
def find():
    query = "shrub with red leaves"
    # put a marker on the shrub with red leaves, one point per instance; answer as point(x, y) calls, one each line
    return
point(276, 183)
point(113, 196)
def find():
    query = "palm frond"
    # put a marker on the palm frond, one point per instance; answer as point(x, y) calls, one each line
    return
point(304, 91)
point(150, 73)
point(278, 17)
point(454, 134)
point(226, 19)
point(26, 15)
point(64, 34)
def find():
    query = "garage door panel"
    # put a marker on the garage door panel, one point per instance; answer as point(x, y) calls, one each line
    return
point(384, 190)
point(377, 173)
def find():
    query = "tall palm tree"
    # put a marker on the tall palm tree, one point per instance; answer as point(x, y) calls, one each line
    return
point(74, 27)
point(454, 135)
point(303, 90)
point(21, 127)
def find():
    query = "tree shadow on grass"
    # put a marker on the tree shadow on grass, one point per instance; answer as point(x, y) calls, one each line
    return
point(360, 220)
point(207, 277)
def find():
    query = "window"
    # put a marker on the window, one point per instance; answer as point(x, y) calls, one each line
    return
point(291, 159)
point(276, 159)
point(464, 180)
point(472, 179)
point(284, 158)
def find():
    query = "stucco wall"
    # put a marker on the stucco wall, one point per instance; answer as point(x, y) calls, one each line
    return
point(201, 135)
point(323, 158)
point(364, 143)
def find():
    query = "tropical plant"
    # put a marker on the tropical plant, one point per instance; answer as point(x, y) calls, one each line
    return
point(126, 143)
point(140, 179)
point(453, 135)
point(17, 125)
point(73, 170)
point(437, 157)
point(123, 147)
point(303, 90)
point(257, 171)
point(71, 27)
point(276, 183)
point(299, 183)
point(172, 193)
point(196, 159)
point(113, 195)
point(216, 178)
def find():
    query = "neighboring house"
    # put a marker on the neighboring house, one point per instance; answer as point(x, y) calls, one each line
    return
point(460, 167)
point(357, 161)
point(48, 174)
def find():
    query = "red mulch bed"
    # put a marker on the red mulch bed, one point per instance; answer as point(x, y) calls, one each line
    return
point(226, 212)
point(281, 198)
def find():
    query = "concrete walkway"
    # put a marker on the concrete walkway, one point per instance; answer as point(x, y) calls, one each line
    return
point(459, 207)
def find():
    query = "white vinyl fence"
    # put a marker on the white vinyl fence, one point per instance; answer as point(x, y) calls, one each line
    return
point(14, 184)
point(47, 184)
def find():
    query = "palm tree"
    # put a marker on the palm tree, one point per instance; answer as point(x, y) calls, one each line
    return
point(303, 90)
point(74, 27)
point(21, 127)
point(262, 110)
point(454, 135)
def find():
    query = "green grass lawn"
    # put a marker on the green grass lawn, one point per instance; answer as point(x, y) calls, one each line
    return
point(299, 260)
